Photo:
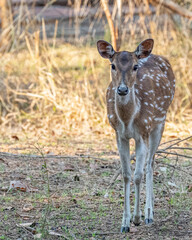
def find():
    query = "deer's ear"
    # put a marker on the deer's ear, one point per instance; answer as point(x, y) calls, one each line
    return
point(105, 49)
point(144, 48)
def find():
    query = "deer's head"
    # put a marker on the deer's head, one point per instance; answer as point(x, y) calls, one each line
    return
point(124, 64)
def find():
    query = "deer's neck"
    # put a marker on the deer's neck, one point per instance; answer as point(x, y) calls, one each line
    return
point(127, 107)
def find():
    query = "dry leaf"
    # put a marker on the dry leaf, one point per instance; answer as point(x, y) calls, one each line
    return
point(38, 236)
point(189, 188)
point(156, 173)
point(52, 233)
point(27, 207)
point(9, 208)
point(18, 185)
point(93, 167)
point(106, 195)
point(133, 230)
point(4, 189)
point(29, 224)
point(15, 137)
point(69, 167)
point(172, 184)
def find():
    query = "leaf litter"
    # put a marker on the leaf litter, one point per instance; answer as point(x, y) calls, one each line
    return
point(82, 203)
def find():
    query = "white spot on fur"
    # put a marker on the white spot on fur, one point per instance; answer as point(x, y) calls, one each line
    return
point(160, 119)
point(149, 111)
point(142, 61)
point(151, 91)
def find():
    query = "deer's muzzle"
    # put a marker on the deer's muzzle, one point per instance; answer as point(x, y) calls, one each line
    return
point(122, 90)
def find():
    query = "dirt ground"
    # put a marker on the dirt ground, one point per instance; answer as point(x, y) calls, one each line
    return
point(68, 194)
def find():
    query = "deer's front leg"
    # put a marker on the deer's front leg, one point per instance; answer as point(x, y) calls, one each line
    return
point(141, 154)
point(124, 152)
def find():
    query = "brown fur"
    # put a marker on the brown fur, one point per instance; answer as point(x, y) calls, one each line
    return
point(124, 62)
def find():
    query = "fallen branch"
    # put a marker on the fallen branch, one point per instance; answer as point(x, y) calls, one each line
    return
point(160, 152)
point(174, 7)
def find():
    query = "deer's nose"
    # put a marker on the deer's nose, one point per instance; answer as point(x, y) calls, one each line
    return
point(122, 90)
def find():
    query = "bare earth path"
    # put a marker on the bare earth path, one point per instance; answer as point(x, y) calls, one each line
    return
point(68, 196)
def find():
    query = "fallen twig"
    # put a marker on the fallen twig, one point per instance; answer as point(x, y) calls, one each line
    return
point(29, 230)
point(103, 233)
point(118, 172)
point(182, 140)
point(182, 148)
point(173, 140)
point(172, 153)
point(174, 166)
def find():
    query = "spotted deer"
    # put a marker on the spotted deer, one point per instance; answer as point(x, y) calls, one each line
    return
point(138, 97)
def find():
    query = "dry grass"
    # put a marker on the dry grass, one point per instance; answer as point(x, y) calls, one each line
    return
point(50, 90)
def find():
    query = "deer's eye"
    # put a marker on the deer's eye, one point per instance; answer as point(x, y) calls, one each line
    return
point(135, 67)
point(112, 66)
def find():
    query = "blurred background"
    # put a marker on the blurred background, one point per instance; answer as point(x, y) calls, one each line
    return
point(52, 79)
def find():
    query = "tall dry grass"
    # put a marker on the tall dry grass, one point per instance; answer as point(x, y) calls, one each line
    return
point(53, 90)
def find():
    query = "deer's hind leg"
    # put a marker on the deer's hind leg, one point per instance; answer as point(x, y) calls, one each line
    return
point(154, 140)
point(141, 155)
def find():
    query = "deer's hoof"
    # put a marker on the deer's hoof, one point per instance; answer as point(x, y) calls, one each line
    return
point(148, 221)
point(137, 220)
point(125, 229)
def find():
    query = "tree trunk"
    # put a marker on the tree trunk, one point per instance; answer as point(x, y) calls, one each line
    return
point(119, 24)
point(174, 7)
point(6, 22)
point(104, 4)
